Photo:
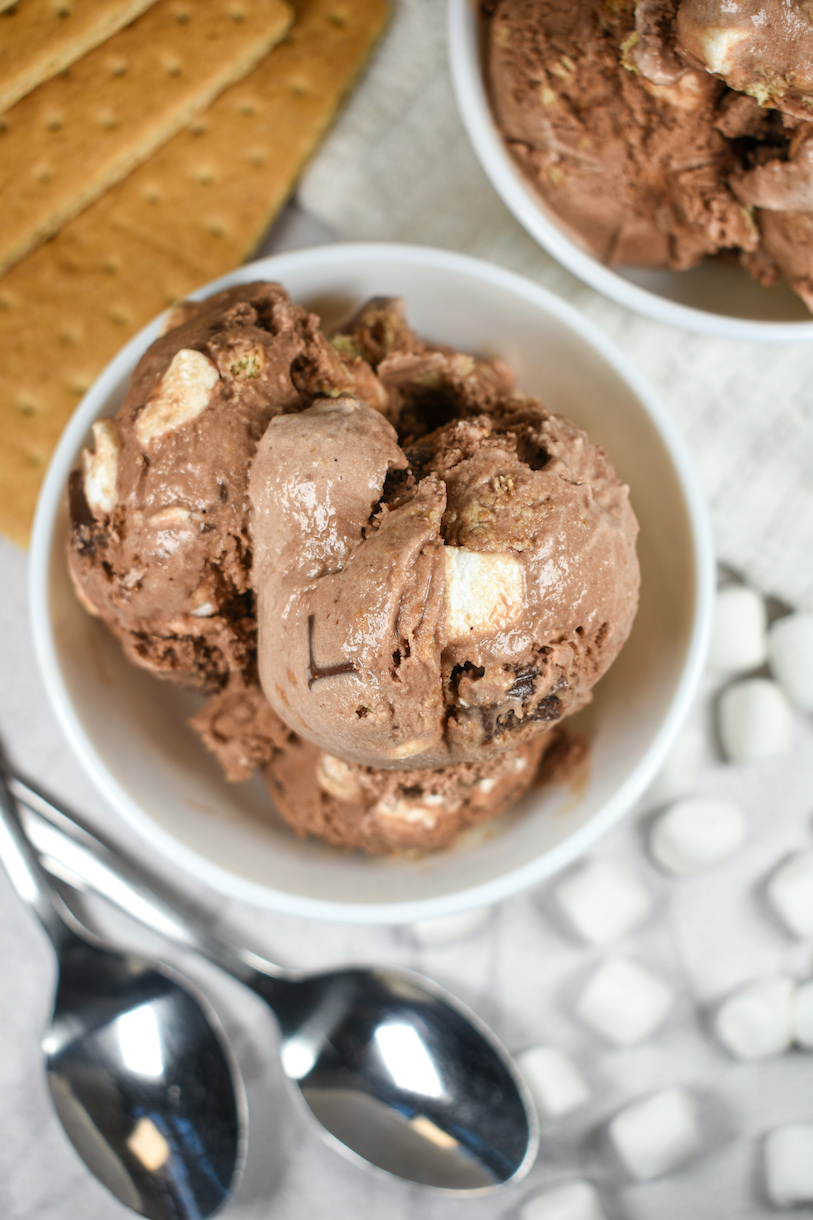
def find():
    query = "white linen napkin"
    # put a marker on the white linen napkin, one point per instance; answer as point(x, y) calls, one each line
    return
point(398, 166)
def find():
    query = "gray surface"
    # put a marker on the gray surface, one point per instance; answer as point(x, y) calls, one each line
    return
point(521, 972)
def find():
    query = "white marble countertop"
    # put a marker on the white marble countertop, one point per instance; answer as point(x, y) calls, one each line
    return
point(521, 971)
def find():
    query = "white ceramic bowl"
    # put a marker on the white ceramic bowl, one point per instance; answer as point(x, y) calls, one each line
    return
point(129, 730)
point(713, 299)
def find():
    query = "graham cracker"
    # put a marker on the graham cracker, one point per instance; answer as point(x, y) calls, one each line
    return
point(41, 37)
point(69, 307)
point(73, 137)
point(210, 193)
point(64, 313)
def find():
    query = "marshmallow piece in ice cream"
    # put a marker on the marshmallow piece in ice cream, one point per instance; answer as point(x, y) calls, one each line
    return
point(100, 468)
point(755, 1021)
point(655, 1136)
point(184, 391)
point(484, 592)
point(789, 1165)
point(440, 601)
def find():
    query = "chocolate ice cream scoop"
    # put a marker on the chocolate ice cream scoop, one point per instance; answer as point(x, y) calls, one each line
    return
point(760, 47)
point(442, 604)
point(354, 806)
point(634, 167)
point(160, 545)
point(665, 131)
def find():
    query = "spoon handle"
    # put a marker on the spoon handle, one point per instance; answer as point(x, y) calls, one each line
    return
point(27, 875)
point(74, 854)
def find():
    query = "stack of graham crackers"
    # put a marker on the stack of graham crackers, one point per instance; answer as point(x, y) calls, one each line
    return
point(145, 146)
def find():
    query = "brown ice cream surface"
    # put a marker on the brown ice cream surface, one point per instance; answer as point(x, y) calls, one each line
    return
point(440, 602)
point(160, 545)
point(441, 567)
point(665, 131)
point(358, 807)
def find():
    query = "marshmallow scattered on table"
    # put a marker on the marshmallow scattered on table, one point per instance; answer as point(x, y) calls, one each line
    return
point(789, 1164)
point(654, 1136)
point(604, 900)
point(553, 1080)
point(446, 928)
point(677, 774)
point(624, 1001)
point(754, 721)
point(738, 633)
point(755, 1021)
point(696, 833)
point(790, 893)
point(575, 1200)
point(801, 1016)
point(790, 650)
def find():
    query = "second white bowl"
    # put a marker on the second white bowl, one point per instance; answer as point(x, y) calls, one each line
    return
point(130, 732)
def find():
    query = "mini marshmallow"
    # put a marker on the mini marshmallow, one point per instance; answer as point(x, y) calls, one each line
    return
point(624, 1001)
point(576, 1200)
point(654, 1136)
point(553, 1080)
point(485, 591)
point(789, 1164)
point(446, 928)
point(604, 900)
point(790, 650)
point(790, 893)
point(738, 633)
point(755, 1021)
point(801, 1015)
point(682, 763)
point(184, 391)
point(754, 720)
point(696, 833)
point(719, 45)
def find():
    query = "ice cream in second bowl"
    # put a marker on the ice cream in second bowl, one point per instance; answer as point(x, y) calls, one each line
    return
point(440, 568)
point(663, 132)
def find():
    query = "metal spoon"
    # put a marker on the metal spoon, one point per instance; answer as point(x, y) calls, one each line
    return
point(138, 1071)
point(396, 1069)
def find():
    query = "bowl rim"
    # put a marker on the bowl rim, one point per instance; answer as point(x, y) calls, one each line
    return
point(505, 178)
point(276, 267)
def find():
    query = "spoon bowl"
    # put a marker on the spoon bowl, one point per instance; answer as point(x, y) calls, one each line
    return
point(142, 1084)
point(403, 1077)
point(137, 1067)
